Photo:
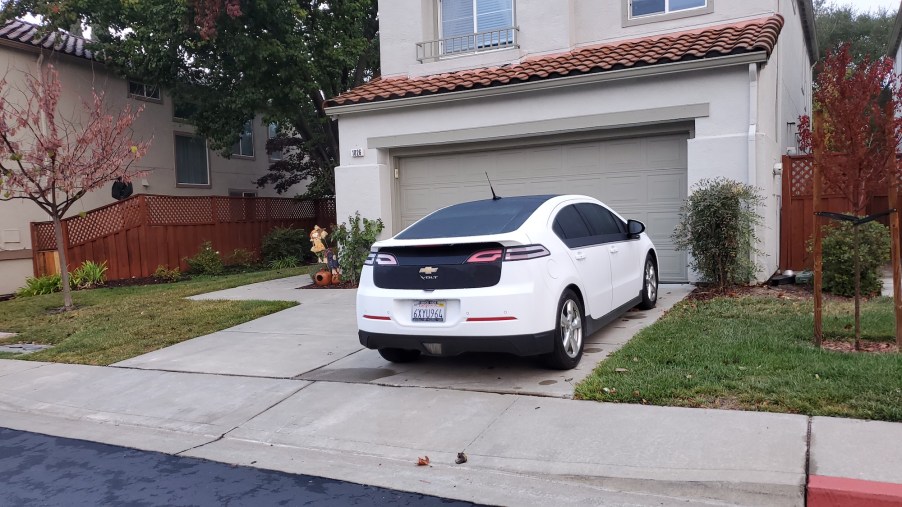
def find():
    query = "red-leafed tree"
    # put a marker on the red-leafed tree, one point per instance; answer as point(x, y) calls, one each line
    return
point(854, 138)
point(54, 161)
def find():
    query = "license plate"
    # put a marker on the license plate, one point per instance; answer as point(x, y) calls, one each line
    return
point(428, 311)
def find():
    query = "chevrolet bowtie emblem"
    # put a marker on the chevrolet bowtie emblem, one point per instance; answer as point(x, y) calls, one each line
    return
point(428, 270)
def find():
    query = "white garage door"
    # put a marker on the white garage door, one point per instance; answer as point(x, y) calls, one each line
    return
point(640, 178)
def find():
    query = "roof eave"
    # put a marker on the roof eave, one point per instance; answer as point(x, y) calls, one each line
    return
point(759, 56)
point(895, 37)
point(806, 11)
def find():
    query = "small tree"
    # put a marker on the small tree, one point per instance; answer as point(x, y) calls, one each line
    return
point(854, 143)
point(717, 227)
point(54, 161)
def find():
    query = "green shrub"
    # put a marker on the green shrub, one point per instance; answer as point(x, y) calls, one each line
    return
point(47, 284)
point(717, 227)
point(242, 258)
point(206, 261)
point(284, 242)
point(166, 274)
point(355, 239)
point(839, 257)
point(284, 263)
point(88, 275)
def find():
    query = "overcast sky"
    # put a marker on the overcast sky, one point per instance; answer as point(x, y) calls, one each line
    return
point(868, 5)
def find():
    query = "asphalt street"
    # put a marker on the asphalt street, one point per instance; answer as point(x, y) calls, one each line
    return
point(44, 470)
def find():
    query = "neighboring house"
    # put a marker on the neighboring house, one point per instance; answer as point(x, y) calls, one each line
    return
point(178, 162)
point(629, 101)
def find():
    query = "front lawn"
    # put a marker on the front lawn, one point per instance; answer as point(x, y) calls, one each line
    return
point(755, 353)
point(111, 325)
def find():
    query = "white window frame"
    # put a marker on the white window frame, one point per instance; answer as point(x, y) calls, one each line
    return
point(152, 97)
point(630, 20)
point(441, 31)
point(175, 166)
point(236, 150)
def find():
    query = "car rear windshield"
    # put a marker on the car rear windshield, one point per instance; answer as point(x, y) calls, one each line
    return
point(477, 218)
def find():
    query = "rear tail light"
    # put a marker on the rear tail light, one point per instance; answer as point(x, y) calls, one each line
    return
point(522, 253)
point(381, 259)
point(486, 256)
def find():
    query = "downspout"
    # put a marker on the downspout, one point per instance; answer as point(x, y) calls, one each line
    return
point(753, 136)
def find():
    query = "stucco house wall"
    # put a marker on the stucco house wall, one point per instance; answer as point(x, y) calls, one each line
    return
point(78, 77)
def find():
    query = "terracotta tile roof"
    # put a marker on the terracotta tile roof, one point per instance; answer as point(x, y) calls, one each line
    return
point(748, 36)
point(20, 31)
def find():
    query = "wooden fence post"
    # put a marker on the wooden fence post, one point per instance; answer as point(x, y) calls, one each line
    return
point(897, 259)
point(818, 256)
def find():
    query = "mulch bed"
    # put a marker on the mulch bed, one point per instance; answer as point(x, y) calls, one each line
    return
point(342, 285)
point(791, 291)
point(866, 346)
point(131, 282)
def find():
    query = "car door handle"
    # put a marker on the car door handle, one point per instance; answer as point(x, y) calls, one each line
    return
point(614, 249)
point(579, 255)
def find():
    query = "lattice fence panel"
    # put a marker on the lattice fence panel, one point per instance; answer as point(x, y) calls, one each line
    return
point(233, 209)
point(95, 224)
point(325, 211)
point(802, 173)
point(44, 236)
point(166, 210)
point(282, 209)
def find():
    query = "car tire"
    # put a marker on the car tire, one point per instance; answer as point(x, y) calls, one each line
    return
point(649, 284)
point(569, 333)
point(399, 355)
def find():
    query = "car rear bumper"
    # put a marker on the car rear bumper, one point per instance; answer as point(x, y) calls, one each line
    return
point(521, 345)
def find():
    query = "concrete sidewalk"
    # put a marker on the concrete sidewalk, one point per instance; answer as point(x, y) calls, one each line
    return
point(522, 450)
point(295, 392)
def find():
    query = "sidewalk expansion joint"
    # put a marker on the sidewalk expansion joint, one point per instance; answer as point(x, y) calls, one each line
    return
point(251, 418)
point(530, 394)
point(299, 375)
point(238, 375)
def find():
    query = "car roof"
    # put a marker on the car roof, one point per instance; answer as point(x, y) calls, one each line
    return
point(476, 218)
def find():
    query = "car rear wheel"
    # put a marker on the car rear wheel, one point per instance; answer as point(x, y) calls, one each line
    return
point(399, 355)
point(649, 285)
point(569, 334)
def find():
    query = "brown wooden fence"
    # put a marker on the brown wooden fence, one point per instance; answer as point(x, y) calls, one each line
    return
point(797, 216)
point(136, 235)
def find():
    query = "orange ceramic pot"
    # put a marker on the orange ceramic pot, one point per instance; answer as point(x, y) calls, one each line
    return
point(323, 277)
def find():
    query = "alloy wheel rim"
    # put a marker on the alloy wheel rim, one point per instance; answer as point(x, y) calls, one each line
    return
point(571, 329)
point(651, 281)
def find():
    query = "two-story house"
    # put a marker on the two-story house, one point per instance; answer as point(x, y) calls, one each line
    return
point(178, 162)
point(894, 49)
point(628, 101)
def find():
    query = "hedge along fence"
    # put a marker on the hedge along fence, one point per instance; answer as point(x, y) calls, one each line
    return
point(796, 217)
point(136, 235)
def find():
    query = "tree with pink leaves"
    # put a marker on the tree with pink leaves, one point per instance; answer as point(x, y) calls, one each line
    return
point(54, 161)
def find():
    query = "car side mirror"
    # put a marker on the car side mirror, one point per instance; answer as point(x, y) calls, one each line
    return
point(634, 228)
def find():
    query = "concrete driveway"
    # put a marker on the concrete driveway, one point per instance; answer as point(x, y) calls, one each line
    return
point(317, 341)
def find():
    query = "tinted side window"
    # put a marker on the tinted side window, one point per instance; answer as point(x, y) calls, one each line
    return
point(569, 225)
point(601, 221)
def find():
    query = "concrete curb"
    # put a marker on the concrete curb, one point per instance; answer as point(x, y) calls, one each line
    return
point(841, 491)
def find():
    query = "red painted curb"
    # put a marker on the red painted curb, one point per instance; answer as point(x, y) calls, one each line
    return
point(843, 492)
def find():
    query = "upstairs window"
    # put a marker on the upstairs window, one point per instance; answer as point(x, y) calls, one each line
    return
point(272, 130)
point(143, 91)
point(191, 165)
point(245, 145)
point(640, 8)
point(471, 24)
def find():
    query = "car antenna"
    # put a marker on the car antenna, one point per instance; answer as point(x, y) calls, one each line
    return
point(494, 197)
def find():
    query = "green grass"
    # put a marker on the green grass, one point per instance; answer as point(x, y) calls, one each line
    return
point(111, 325)
point(755, 353)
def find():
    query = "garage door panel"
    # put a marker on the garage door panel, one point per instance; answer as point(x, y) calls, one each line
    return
point(640, 178)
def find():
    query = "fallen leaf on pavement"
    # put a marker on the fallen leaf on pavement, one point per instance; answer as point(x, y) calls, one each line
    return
point(422, 462)
point(461, 458)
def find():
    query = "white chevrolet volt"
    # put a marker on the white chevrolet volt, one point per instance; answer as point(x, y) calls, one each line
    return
point(531, 275)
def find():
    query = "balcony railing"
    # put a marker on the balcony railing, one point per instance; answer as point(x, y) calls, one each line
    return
point(467, 44)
